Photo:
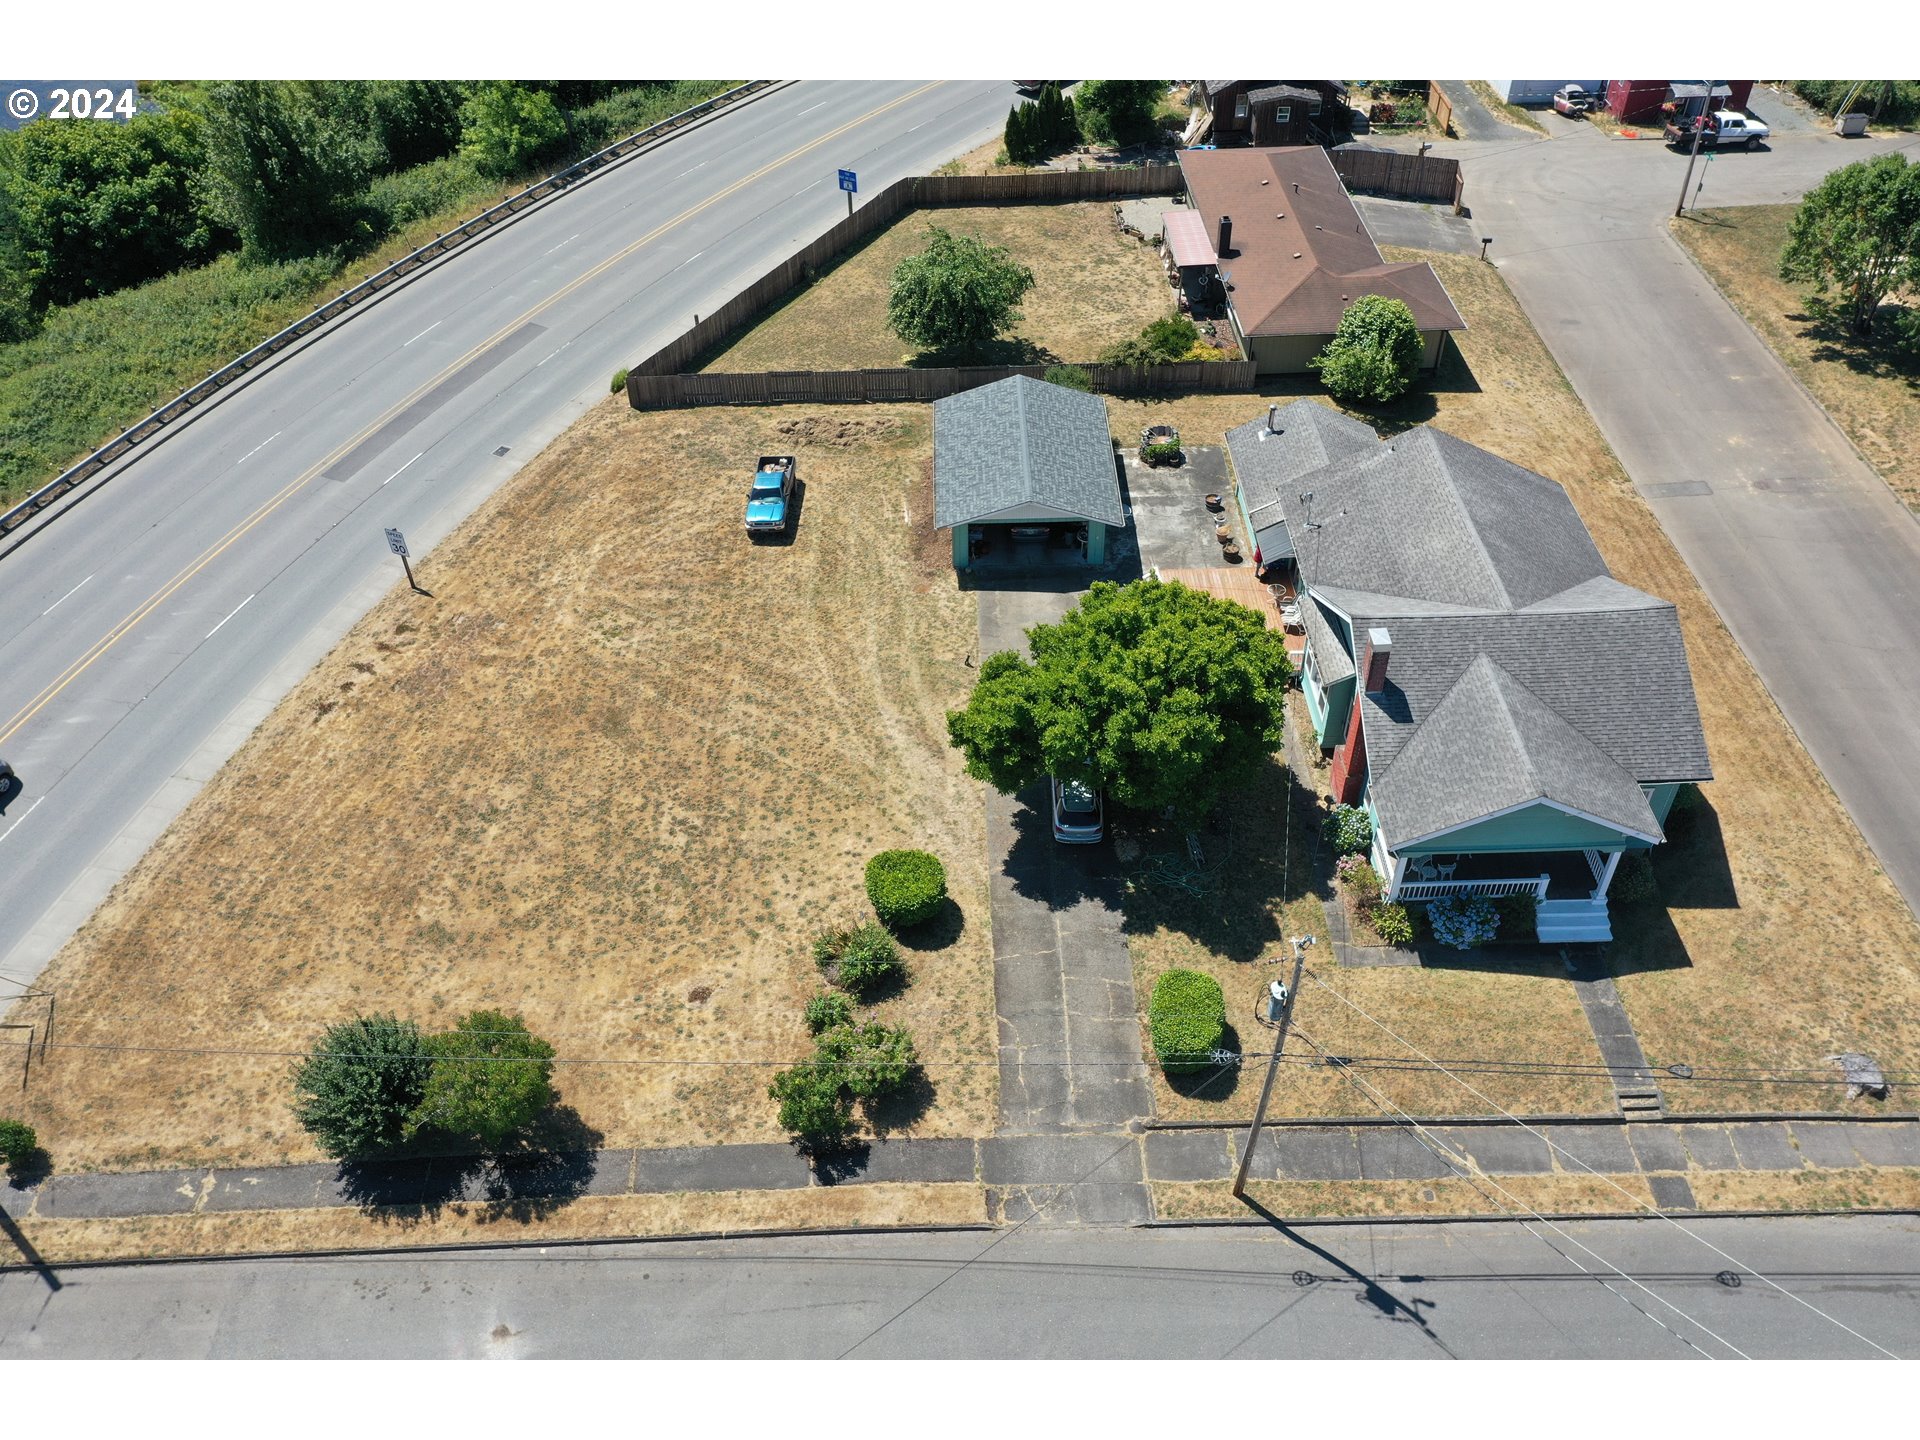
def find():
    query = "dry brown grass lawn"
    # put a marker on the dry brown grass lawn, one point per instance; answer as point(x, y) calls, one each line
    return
point(1872, 397)
point(593, 1217)
point(612, 776)
point(1780, 941)
point(1093, 286)
point(1515, 1194)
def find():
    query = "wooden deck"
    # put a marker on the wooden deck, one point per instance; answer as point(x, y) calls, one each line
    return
point(1238, 583)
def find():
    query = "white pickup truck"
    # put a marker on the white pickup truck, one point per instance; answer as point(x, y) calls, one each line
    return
point(1723, 128)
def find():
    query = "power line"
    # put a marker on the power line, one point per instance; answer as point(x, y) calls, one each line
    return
point(1609, 1180)
point(1461, 1168)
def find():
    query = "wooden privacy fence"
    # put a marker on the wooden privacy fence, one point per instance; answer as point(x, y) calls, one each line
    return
point(916, 192)
point(1439, 108)
point(787, 387)
point(1417, 177)
point(481, 224)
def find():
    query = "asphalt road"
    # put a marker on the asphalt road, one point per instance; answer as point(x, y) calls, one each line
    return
point(1378, 1291)
point(1812, 563)
point(150, 628)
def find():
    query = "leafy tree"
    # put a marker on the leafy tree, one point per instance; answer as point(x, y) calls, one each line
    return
point(491, 1078)
point(287, 162)
point(1019, 137)
point(1858, 232)
point(1161, 694)
point(1059, 128)
point(416, 120)
point(17, 318)
point(813, 1104)
point(957, 294)
point(504, 127)
point(1119, 112)
point(872, 1060)
point(1375, 353)
point(96, 208)
point(357, 1092)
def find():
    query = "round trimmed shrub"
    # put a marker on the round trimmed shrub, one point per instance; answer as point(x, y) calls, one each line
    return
point(1633, 882)
point(1187, 1016)
point(619, 382)
point(906, 887)
point(1392, 923)
point(18, 1143)
point(828, 1009)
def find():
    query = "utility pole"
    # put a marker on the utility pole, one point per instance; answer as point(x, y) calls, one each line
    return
point(1699, 134)
point(1286, 999)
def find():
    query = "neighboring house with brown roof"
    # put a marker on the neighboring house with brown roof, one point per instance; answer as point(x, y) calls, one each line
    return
point(1274, 112)
point(1294, 254)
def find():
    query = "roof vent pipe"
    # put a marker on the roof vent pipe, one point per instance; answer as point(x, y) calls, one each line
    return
point(1225, 245)
point(1273, 412)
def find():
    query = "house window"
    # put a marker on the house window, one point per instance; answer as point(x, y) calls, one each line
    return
point(1313, 108)
point(1240, 106)
point(1283, 114)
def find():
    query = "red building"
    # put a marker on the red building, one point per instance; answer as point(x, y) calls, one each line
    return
point(1632, 100)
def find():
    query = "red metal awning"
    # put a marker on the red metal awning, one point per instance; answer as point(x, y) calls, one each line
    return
point(1186, 237)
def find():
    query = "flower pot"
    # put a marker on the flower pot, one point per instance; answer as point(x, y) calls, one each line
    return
point(1214, 502)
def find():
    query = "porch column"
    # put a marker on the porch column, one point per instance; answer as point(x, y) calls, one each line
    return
point(1096, 543)
point(1396, 871)
point(961, 559)
point(1606, 875)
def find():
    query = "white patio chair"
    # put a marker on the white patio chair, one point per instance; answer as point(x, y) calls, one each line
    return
point(1446, 870)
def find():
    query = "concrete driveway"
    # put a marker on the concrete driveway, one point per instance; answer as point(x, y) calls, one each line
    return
point(1812, 563)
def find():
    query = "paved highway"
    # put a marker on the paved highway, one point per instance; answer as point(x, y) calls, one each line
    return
point(1379, 1291)
point(148, 630)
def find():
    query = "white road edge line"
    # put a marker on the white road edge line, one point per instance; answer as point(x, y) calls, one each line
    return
point(702, 165)
point(230, 614)
point(22, 820)
point(810, 109)
point(568, 241)
point(401, 471)
point(435, 326)
point(273, 437)
point(688, 261)
point(63, 599)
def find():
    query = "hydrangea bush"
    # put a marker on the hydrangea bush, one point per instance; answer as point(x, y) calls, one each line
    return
point(1463, 921)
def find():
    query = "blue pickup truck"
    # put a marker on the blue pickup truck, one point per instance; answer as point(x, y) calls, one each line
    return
point(770, 498)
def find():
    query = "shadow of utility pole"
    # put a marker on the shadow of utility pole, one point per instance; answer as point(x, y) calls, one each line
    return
point(20, 1242)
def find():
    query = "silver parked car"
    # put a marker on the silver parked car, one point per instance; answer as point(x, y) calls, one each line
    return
point(1079, 813)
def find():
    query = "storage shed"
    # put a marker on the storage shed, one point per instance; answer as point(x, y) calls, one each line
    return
point(1024, 468)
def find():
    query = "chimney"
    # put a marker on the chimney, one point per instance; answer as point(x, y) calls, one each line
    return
point(1379, 652)
point(1225, 247)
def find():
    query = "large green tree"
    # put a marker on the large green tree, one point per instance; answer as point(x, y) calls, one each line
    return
point(491, 1079)
point(357, 1092)
point(1858, 232)
point(287, 162)
point(95, 207)
point(955, 296)
point(1374, 354)
point(1119, 112)
point(506, 127)
point(1160, 694)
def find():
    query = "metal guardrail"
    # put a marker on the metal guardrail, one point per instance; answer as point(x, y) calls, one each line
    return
point(480, 224)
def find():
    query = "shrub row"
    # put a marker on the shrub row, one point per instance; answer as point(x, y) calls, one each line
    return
point(1187, 1018)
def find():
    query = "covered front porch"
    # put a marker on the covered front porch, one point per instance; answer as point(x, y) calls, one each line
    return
point(1569, 887)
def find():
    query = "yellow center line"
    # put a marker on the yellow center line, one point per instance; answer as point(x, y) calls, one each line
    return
point(106, 642)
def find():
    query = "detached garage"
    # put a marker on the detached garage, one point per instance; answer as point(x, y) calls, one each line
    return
point(1024, 471)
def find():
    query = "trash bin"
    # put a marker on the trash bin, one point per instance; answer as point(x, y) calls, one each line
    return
point(1850, 125)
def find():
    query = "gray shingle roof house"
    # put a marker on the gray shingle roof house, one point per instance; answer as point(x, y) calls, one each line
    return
point(1494, 696)
point(1022, 451)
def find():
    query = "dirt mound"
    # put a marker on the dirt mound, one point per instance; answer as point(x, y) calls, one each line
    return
point(839, 432)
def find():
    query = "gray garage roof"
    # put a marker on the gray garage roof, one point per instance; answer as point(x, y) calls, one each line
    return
point(1022, 443)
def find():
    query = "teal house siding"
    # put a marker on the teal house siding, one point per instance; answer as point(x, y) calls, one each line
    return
point(1660, 798)
point(1537, 827)
point(1327, 708)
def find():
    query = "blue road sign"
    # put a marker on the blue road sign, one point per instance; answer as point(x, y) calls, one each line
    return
point(849, 182)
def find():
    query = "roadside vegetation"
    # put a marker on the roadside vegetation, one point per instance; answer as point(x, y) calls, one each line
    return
point(135, 259)
point(1869, 384)
point(1893, 104)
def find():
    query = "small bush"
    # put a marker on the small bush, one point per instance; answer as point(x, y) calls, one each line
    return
point(400, 199)
point(872, 1060)
point(1360, 880)
point(813, 1104)
point(1391, 923)
point(1071, 376)
point(18, 1143)
point(1517, 917)
point(1633, 881)
point(860, 961)
point(906, 887)
point(828, 1009)
point(1161, 342)
point(1164, 453)
point(619, 382)
point(1187, 1016)
point(1463, 921)
point(356, 1094)
point(1348, 829)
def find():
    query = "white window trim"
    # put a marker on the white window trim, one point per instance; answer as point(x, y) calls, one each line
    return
point(1283, 114)
point(1240, 106)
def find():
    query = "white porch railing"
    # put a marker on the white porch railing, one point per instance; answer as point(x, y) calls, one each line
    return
point(1434, 889)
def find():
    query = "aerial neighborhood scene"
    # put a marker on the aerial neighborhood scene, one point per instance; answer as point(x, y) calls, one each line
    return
point(996, 699)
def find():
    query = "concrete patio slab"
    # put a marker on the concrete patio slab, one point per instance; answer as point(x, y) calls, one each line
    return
point(1190, 1154)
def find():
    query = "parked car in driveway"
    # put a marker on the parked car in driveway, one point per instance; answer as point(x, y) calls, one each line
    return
point(1079, 813)
point(1719, 131)
point(1572, 100)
